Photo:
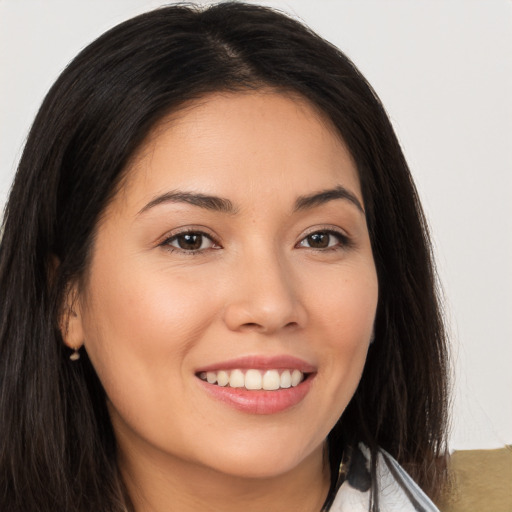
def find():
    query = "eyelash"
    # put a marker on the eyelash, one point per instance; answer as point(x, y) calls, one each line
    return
point(167, 242)
point(343, 242)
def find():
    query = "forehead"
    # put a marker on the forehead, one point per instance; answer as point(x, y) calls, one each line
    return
point(243, 143)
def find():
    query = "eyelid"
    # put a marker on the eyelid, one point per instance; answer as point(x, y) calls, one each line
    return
point(175, 233)
point(345, 239)
point(183, 230)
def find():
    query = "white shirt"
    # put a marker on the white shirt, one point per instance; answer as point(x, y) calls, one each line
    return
point(397, 491)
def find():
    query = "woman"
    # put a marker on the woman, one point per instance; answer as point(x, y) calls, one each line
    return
point(217, 286)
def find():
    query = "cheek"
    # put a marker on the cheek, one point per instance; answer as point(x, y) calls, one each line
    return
point(346, 306)
point(140, 323)
point(344, 315)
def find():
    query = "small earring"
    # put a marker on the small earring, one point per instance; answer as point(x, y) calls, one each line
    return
point(75, 356)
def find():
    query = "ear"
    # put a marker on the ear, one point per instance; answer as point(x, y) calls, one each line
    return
point(70, 319)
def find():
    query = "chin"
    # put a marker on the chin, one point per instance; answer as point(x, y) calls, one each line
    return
point(260, 463)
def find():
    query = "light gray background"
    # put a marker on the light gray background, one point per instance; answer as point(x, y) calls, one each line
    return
point(443, 68)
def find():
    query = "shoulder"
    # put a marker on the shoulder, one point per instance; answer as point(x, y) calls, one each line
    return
point(397, 491)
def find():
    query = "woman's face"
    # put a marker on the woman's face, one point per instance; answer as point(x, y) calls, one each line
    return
point(235, 257)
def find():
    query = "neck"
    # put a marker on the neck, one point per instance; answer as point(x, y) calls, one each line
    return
point(160, 484)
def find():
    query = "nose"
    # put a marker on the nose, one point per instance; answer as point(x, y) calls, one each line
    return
point(263, 296)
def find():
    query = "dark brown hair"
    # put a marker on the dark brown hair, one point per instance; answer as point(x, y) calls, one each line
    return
point(57, 448)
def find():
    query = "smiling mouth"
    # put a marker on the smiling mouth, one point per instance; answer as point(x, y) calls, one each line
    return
point(254, 380)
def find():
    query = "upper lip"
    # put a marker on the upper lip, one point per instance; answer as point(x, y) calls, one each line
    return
point(258, 362)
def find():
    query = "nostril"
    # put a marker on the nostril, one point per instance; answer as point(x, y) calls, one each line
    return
point(259, 327)
point(252, 325)
point(255, 315)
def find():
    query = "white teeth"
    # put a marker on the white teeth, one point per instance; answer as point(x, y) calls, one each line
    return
point(286, 379)
point(222, 378)
point(297, 377)
point(269, 380)
point(236, 379)
point(253, 379)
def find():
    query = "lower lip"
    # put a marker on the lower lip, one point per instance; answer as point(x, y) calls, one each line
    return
point(260, 401)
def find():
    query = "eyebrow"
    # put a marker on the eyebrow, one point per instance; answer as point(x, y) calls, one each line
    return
point(324, 196)
point(214, 203)
point(223, 205)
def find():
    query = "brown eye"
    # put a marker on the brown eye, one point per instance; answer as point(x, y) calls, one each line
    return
point(323, 240)
point(190, 241)
point(318, 240)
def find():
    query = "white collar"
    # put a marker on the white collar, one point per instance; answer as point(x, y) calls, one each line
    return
point(397, 491)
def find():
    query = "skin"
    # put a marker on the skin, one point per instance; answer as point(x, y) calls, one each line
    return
point(150, 314)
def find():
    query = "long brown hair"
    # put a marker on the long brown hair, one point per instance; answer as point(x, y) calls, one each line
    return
point(57, 448)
